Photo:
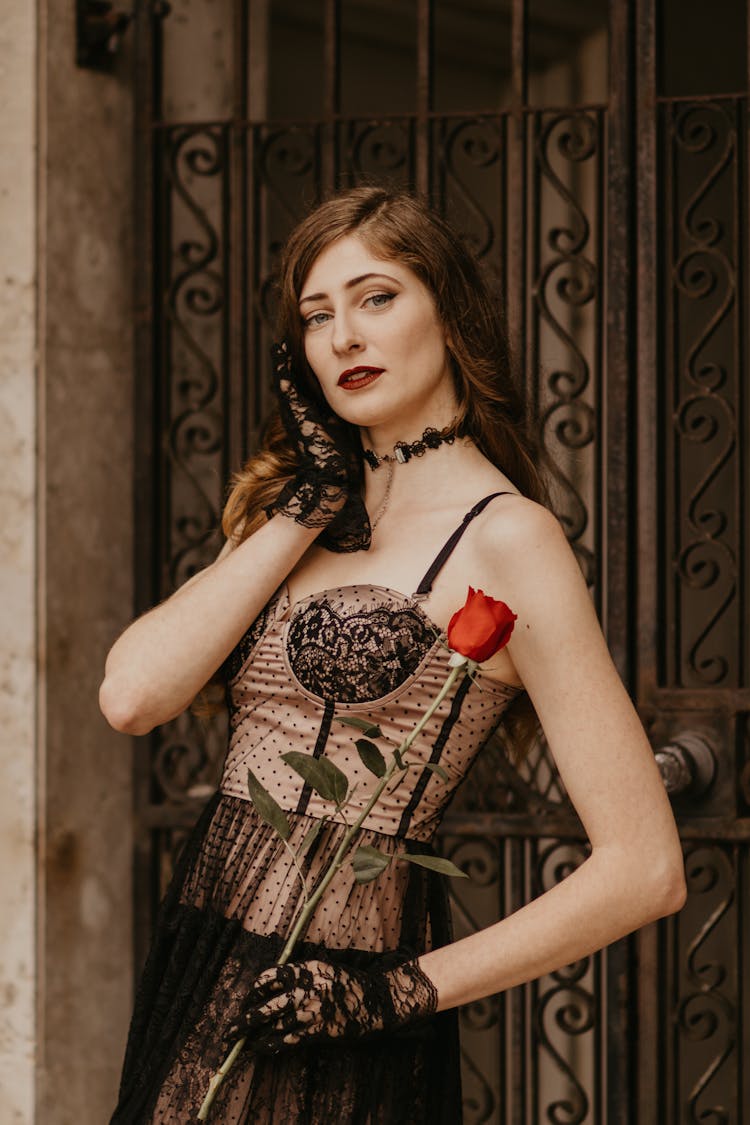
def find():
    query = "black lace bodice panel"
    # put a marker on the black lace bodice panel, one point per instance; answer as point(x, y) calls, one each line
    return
point(355, 657)
point(238, 656)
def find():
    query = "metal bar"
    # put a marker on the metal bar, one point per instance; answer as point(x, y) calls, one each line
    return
point(521, 824)
point(256, 62)
point(617, 389)
point(646, 1045)
point(234, 397)
point(332, 92)
point(255, 247)
point(718, 700)
point(516, 272)
point(425, 93)
point(647, 378)
point(676, 99)
point(434, 115)
point(147, 44)
point(519, 62)
point(739, 211)
point(668, 1043)
point(669, 660)
point(517, 1046)
point(743, 400)
point(617, 522)
point(609, 1078)
point(531, 226)
point(743, 972)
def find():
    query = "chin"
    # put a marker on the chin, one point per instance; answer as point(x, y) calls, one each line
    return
point(361, 413)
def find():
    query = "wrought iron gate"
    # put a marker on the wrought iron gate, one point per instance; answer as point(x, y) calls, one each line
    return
point(615, 221)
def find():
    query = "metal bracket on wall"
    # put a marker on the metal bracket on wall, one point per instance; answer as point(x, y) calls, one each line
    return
point(100, 28)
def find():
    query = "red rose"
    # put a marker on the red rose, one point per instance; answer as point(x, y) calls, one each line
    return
point(481, 628)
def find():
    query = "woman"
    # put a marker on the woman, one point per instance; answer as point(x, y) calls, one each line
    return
point(398, 422)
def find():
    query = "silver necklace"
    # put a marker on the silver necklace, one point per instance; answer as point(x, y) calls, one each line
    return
point(403, 452)
point(384, 506)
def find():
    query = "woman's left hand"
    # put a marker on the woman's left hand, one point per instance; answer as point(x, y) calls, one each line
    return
point(309, 1000)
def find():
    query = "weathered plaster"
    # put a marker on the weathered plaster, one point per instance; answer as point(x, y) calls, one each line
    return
point(17, 522)
point(85, 559)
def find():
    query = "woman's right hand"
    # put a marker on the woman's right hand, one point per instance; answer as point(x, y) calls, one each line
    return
point(326, 492)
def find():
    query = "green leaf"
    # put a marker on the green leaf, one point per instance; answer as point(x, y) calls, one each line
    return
point(435, 863)
point(326, 779)
point(368, 863)
point(433, 767)
point(371, 756)
point(269, 811)
point(372, 730)
point(399, 760)
point(310, 837)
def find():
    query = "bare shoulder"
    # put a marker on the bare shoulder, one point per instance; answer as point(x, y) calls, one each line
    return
point(513, 527)
point(521, 548)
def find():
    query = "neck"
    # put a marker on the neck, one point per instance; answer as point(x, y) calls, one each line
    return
point(395, 487)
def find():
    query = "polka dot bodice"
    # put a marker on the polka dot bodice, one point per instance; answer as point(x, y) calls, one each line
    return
point(300, 668)
point(355, 650)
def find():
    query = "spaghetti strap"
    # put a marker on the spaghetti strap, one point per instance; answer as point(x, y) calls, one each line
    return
point(425, 586)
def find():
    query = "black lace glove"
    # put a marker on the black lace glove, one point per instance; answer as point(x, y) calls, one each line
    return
point(315, 1000)
point(326, 490)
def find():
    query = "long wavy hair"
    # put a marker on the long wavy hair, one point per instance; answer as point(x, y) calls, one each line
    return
point(491, 405)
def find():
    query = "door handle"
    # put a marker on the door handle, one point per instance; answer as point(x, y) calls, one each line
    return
point(687, 764)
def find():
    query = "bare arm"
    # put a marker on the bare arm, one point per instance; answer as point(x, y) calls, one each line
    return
point(634, 873)
point(159, 664)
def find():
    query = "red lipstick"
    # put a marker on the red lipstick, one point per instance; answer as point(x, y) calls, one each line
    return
point(356, 377)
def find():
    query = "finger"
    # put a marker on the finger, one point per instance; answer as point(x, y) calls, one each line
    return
point(296, 1012)
point(285, 1032)
point(271, 982)
point(260, 1019)
point(289, 1028)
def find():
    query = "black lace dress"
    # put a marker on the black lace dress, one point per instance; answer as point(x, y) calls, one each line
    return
point(355, 650)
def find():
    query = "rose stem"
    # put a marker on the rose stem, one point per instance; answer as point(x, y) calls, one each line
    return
point(336, 862)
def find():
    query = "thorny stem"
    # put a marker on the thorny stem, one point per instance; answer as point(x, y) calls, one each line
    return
point(349, 837)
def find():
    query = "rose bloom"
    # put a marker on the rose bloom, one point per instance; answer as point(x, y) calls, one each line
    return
point(481, 627)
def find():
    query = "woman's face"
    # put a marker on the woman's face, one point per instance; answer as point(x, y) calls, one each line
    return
point(373, 338)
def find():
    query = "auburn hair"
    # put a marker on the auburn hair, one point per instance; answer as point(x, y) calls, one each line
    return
point(492, 409)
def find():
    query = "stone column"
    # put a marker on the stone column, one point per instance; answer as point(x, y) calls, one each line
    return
point(85, 560)
point(17, 561)
point(66, 567)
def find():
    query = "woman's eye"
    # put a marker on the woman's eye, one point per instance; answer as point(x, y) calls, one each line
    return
point(316, 320)
point(380, 300)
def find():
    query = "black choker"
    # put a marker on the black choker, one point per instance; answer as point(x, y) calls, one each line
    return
point(404, 451)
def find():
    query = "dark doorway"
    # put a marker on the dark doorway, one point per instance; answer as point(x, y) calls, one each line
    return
point(595, 155)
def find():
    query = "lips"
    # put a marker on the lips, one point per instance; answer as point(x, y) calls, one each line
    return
point(356, 377)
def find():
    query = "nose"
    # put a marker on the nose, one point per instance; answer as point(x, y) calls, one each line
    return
point(346, 337)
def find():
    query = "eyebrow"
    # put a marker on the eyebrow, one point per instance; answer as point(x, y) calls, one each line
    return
point(349, 285)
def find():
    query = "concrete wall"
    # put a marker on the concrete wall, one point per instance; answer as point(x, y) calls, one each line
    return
point(66, 376)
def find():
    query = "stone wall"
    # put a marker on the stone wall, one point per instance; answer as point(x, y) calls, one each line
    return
point(66, 563)
point(17, 535)
point(85, 559)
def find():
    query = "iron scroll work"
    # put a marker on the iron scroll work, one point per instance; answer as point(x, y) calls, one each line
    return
point(704, 652)
point(226, 194)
